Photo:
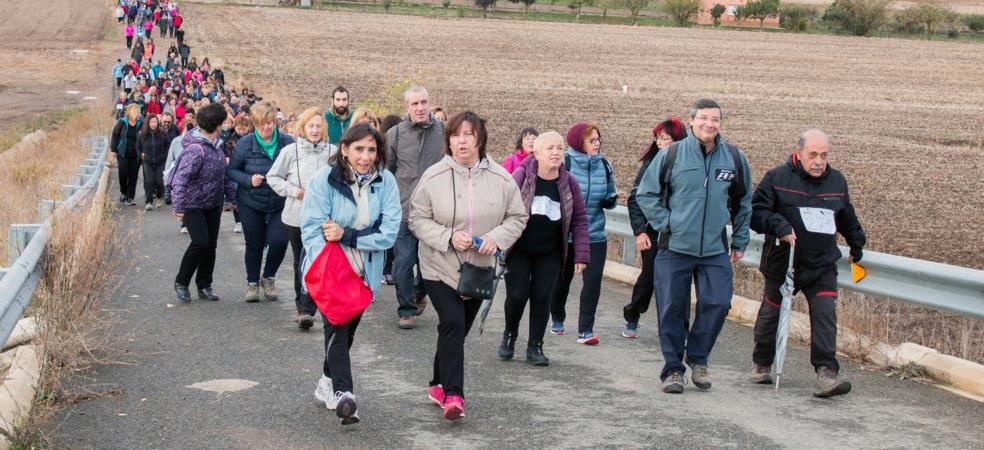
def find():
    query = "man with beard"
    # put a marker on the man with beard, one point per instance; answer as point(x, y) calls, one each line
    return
point(338, 116)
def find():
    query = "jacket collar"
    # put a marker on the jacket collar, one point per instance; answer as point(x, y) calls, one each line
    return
point(482, 165)
point(336, 181)
point(794, 163)
point(305, 146)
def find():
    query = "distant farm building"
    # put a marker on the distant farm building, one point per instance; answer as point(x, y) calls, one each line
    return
point(728, 18)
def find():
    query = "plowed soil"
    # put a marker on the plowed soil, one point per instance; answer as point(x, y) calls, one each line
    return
point(904, 115)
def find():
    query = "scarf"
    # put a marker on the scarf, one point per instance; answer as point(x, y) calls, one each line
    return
point(268, 147)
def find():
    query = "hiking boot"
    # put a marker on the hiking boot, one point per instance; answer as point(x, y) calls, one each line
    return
point(535, 356)
point(421, 305)
point(207, 294)
point(507, 346)
point(630, 330)
point(557, 329)
point(701, 376)
point(587, 338)
point(673, 384)
point(325, 393)
point(304, 320)
point(454, 407)
point(761, 374)
point(829, 383)
point(346, 408)
point(269, 286)
point(252, 292)
point(436, 394)
point(182, 293)
point(408, 322)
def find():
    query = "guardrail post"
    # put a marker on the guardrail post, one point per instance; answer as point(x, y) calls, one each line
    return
point(68, 189)
point(46, 209)
point(18, 238)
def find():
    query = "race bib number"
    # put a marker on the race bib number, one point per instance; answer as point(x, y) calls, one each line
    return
point(818, 220)
point(543, 206)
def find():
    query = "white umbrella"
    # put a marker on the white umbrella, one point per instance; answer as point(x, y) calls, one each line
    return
point(785, 309)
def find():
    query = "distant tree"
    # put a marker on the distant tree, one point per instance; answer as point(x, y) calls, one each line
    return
point(761, 10)
point(486, 5)
point(796, 17)
point(932, 16)
point(858, 17)
point(576, 5)
point(605, 5)
point(527, 4)
point(683, 12)
point(716, 12)
point(974, 22)
point(634, 7)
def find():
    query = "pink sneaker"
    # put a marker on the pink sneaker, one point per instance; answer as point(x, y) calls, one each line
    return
point(454, 407)
point(436, 395)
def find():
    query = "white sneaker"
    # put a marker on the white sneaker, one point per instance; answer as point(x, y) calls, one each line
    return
point(326, 393)
point(347, 409)
point(238, 228)
point(184, 230)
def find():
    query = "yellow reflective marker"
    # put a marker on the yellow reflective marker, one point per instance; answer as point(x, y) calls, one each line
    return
point(858, 272)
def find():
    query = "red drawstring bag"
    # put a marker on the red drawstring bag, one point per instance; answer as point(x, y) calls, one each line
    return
point(339, 292)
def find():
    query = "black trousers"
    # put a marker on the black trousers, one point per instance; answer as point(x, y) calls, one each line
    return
point(642, 292)
point(821, 296)
point(530, 277)
point(302, 300)
point(590, 289)
point(338, 342)
point(455, 318)
point(199, 257)
point(153, 181)
point(129, 169)
point(129, 42)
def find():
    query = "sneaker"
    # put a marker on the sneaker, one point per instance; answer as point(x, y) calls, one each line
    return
point(131, 202)
point(761, 374)
point(325, 393)
point(673, 384)
point(630, 330)
point(587, 338)
point(535, 356)
point(148, 207)
point(454, 407)
point(184, 230)
point(829, 383)
point(557, 329)
point(252, 293)
point(122, 199)
point(421, 305)
point(436, 394)
point(207, 294)
point(408, 322)
point(346, 408)
point(304, 321)
point(269, 286)
point(389, 280)
point(159, 203)
point(238, 228)
point(507, 346)
point(701, 376)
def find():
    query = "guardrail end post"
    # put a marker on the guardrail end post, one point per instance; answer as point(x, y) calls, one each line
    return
point(18, 238)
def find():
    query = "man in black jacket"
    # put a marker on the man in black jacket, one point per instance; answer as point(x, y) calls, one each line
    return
point(802, 204)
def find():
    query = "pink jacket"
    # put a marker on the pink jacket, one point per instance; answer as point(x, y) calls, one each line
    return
point(129, 31)
point(514, 161)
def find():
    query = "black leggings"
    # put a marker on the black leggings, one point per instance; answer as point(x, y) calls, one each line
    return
point(129, 169)
point(153, 178)
point(203, 227)
point(302, 300)
point(642, 292)
point(338, 342)
point(530, 277)
point(455, 317)
point(590, 288)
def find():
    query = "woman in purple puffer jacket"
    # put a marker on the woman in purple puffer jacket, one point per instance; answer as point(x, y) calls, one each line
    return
point(198, 185)
point(556, 207)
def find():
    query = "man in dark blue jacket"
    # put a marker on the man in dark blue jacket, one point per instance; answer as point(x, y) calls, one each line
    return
point(704, 185)
point(803, 204)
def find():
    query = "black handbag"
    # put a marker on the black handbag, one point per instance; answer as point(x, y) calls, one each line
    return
point(478, 282)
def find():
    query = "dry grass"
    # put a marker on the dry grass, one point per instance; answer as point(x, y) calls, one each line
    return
point(80, 274)
point(36, 173)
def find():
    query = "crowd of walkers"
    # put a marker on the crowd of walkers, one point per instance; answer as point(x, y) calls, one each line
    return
point(418, 201)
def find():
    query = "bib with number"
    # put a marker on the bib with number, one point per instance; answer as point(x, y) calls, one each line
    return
point(818, 220)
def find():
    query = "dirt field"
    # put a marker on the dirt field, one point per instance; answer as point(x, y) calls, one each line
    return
point(905, 115)
point(48, 52)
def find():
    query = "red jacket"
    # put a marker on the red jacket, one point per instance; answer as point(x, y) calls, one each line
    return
point(153, 108)
point(177, 21)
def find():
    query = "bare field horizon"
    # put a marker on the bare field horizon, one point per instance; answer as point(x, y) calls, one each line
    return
point(904, 115)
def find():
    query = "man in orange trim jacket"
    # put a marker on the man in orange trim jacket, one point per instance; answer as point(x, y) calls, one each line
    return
point(802, 205)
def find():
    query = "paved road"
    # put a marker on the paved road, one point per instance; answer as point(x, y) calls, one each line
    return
point(605, 396)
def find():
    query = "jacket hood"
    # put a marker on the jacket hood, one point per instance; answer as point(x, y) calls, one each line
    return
point(305, 146)
point(195, 137)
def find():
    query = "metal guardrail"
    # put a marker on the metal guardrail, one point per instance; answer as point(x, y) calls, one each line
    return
point(27, 242)
point(934, 285)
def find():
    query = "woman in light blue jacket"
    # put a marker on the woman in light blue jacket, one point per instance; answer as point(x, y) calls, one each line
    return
point(356, 203)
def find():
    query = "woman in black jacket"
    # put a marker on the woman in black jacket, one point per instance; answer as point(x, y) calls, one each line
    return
point(259, 206)
point(153, 145)
point(666, 133)
point(124, 146)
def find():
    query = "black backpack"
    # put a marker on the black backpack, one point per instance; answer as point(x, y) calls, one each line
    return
point(735, 192)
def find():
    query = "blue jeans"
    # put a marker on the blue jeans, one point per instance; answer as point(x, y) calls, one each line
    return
point(409, 288)
point(263, 229)
point(713, 278)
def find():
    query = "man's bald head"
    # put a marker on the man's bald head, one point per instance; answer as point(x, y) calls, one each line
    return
point(813, 147)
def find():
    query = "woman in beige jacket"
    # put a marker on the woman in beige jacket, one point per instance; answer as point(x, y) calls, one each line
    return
point(465, 195)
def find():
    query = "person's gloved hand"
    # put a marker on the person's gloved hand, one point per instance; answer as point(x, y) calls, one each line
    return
point(608, 202)
point(856, 254)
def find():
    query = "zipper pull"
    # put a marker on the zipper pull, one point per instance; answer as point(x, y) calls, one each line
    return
point(705, 182)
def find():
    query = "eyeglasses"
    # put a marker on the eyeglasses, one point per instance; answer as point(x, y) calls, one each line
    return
point(594, 141)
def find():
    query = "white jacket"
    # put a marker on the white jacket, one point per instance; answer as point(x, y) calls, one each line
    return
point(294, 168)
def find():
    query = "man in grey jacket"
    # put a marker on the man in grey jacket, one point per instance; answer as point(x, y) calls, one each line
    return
point(706, 185)
point(412, 146)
